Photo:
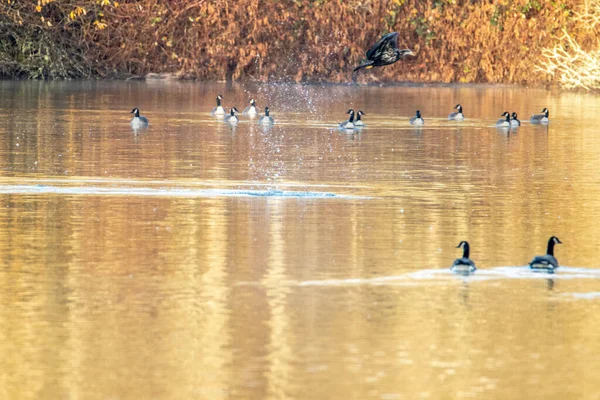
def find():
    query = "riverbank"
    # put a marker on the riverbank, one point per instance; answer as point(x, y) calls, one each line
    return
point(514, 42)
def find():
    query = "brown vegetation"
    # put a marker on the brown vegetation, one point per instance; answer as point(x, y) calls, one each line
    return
point(297, 40)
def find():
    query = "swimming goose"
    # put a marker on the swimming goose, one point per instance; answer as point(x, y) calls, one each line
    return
point(504, 123)
point(514, 122)
point(350, 123)
point(384, 52)
point(540, 118)
point(457, 116)
point(417, 119)
point(251, 110)
point(463, 264)
point(266, 119)
point(358, 122)
point(232, 118)
point(138, 120)
point(218, 110)
point(547, 262)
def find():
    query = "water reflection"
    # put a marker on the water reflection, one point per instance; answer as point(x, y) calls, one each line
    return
point(135, 292)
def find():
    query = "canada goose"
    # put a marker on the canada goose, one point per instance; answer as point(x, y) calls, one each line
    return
point(138, 120)
point(266, 119)
point(504, 123)
point(458, 115)
point(547, 262)
point(514, 122)
point(232, 118)
point(350, 123)
point(251, 110)
point(540, 118)
point(384, 52)
point(417, 119)
point(463, 264)
point(358, 122)
point(218, 110)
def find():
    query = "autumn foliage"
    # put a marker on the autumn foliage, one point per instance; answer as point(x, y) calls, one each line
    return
point(295, 40)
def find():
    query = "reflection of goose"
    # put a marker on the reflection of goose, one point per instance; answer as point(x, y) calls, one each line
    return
point(266, 119)
point(232, 118)
point(547, 262)
point(138, 120)
point(251, 110)
point(218, 110)
point(514, 122)
point(458, 115)
point(417, 119)
point(384, 52)
point(350, 123)
point(463, 264)
point(540, 118)
point(504, 123)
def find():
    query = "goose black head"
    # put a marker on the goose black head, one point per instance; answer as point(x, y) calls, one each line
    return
point(545, 112)
point(506, 114)
point(551, 242)
point(514, 115)
point(459, 108)
point(135, 112)
point(234, 111)
point(350, 111)
point(361, 112)
point(465, 245)
point(252, 102)
point(267, 111)
point(418, 113)
point(219, 98)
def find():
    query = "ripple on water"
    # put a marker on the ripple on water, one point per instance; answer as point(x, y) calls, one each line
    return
point(433, 276)
point(168, 192)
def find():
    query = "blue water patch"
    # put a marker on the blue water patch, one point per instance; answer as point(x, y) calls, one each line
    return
point(167, 192)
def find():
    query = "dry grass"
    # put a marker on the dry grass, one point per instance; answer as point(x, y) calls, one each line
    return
point(574, 66)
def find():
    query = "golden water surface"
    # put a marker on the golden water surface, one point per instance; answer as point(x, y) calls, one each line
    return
point(193, 260)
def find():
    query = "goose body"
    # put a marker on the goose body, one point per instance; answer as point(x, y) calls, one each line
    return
point(464, 264)
point(218, 110)
point(138, 120)
point(384, 52)
point(546, 262)
point(232, 118)
point(359, 123)
point(504, 122)
point(540, 118)
point(458, 115)
point(514, 122)
point(350, 123)
point(251, 110)
point(417, 119)
point(266, 119)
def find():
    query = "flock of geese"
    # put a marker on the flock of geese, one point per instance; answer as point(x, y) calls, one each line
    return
point(509, 120)
point(353, 123)
point(386, 52)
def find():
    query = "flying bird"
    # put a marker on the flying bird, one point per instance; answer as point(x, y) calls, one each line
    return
point(384, 52)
